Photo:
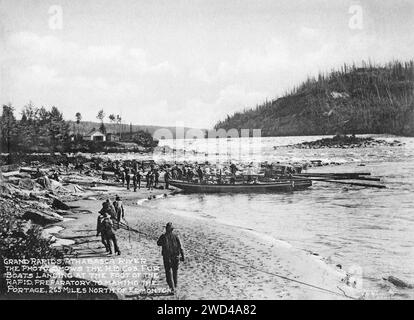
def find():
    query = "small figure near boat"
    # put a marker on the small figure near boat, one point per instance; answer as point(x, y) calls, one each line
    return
point(200, 173)
point(167, 179)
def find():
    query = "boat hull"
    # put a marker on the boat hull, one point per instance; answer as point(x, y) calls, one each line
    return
point(279, 186)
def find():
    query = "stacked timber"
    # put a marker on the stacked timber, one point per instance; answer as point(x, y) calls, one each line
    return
point(356, 177)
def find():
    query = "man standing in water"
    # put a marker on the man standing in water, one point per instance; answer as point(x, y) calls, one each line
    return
point(171, 250)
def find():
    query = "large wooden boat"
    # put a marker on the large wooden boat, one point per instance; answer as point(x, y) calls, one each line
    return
point(285, 185)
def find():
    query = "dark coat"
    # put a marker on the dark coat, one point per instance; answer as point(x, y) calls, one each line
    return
point(171, 245)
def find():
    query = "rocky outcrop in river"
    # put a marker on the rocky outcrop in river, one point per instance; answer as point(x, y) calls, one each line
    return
point(345, 142)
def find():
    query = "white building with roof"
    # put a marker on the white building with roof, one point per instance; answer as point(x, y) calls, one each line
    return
point(95, 135)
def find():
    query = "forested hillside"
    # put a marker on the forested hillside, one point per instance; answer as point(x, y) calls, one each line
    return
point(355, 99)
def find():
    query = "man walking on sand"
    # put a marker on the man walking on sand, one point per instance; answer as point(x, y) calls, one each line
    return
point(109, 208)
point(123, 177)
point(134, 181)
point(138, 176)
point(127, 178)
point(156, 177)
point(119, 209)
point(150, 177)
point(109, 234)
point(99, 229)
point(171, 250)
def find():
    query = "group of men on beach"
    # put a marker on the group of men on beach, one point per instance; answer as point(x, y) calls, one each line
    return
point(152, 176)
point(133, 173)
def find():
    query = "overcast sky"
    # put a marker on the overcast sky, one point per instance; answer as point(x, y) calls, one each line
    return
point(162, 62)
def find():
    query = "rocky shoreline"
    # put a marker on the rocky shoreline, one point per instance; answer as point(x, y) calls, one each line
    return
point(34, 208)
point(66, 214)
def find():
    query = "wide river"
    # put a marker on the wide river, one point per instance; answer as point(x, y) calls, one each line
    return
point(368, 231)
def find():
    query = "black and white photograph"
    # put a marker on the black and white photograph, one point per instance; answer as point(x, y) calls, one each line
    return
point(164, 151)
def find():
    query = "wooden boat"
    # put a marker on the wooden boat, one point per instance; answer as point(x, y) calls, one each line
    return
point(259, 187)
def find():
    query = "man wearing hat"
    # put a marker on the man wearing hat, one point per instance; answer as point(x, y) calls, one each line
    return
point(171, 251)
point(109, 233)
point(108, 207)
point(100, 229)
point(119, 209)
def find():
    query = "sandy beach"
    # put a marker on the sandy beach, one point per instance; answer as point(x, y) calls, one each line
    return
point(222, 262)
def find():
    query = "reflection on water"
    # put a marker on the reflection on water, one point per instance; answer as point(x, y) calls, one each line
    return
point(354, 226)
